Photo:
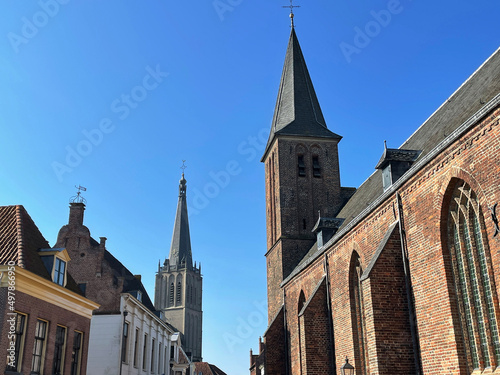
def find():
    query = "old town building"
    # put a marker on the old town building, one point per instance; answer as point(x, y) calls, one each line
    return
point(45, 319)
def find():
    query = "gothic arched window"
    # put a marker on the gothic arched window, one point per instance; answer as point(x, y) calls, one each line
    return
point(473, 277)
point(171, 295)
point(178, 294)
point(357, 316)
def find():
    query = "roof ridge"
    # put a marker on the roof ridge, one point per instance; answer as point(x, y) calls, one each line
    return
point(21, 262)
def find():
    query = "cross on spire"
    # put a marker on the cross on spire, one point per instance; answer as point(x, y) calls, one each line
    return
point(291, 6)
point(184, 166)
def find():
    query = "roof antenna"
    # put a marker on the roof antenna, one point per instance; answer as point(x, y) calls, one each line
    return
point(78, 197)
point(291, 6)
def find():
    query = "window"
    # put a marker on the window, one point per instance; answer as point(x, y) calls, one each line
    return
point(172, 350)
point(139, 296)
point(301, 165)
point(165, 362)
point(124, 342)
point(473, 277)
point(152, 355)
point(171, 295)
point(316, 167)
point(178, 295)
point(14, 364)
point(39, 347)
point(59, 271)
point(144, 351)
point(159, 359)
point(59, 350)
point(77, 353)
point(136, 346)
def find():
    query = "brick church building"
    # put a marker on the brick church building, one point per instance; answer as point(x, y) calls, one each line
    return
point(402, 274)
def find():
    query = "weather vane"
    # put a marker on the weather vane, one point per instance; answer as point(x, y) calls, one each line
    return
point(184, 166)
point(78, 197)
point(291, 6)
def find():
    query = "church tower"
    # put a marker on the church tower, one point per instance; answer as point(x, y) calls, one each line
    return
point(302, 173)
point(178, 287)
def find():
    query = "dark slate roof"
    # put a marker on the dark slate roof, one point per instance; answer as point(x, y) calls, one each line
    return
point(180, 249)
point(463, 104)
point(480, 88)
point(397, 154)
point(327, 223)
point(130, 283)
point(297, 110)
point(20, 240)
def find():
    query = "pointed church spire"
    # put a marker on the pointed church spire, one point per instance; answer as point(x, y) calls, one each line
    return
point(297, 110)
point(180, 249)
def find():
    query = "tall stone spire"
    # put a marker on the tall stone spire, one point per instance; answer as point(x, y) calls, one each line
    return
point(180, 249)
point(179, 285)
point(297, 110)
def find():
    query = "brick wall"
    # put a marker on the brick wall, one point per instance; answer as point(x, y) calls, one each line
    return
point(294, 202)
point(274, 339)
point(39, 309)
point(474, 158)
point(316, 345)
point(387, 314)
point(87, 265)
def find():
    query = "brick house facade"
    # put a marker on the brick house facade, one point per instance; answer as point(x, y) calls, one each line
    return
point(403, 273)
point(45, 319)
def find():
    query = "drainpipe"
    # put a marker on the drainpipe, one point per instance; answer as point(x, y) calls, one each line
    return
point(285, 327)
point(409, 289)
point(333, 364)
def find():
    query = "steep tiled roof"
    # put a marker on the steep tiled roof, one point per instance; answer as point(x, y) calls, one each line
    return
point(207, 369)
point(297, 110)
point(20, 240)
point(131, 283)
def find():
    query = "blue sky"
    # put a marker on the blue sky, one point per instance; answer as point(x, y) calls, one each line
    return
point(114, 95)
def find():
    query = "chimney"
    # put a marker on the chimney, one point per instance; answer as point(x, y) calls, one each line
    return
point(138, 277)
point(102, 244)
point(76, 214)
point(261, 345)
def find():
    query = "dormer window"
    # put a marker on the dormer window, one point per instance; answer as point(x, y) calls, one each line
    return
point(394, 163)
point(55, 261)
point(139, 296)
point(59, 271)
